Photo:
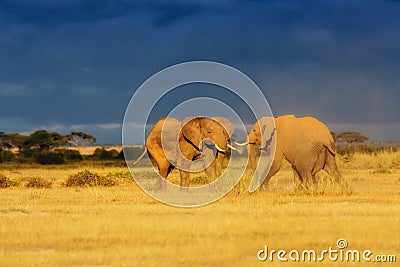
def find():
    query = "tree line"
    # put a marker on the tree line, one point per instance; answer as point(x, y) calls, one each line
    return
point(45, 147)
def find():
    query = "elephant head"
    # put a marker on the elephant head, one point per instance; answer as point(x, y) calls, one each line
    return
point(259, 139)
point(261, 134)
point(205, 139)
point(200, 131)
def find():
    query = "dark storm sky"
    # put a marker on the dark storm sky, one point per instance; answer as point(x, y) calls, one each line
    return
point(73, 65)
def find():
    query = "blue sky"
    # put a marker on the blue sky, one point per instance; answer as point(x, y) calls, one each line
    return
point(74, 65)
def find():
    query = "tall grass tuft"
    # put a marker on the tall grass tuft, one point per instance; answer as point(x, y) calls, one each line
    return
point(380, 160)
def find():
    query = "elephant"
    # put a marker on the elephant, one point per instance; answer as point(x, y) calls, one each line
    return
point(306, 143)
point(173, 143)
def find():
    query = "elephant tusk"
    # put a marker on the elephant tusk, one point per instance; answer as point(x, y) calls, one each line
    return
point(231, 147)
point(242, 144)
point(219, 149)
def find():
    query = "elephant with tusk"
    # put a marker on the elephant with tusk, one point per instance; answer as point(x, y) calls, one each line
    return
point(306, 143)
point(173, 143)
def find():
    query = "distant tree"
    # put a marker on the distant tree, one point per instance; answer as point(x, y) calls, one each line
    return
point(43, 141)
point(80, 139)
point(5, 155)
point(13, 140)
point(351, 137)
point(2, 140)
point(103, 154)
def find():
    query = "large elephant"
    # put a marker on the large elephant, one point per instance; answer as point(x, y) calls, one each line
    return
point(173, 143)
point(306, 143)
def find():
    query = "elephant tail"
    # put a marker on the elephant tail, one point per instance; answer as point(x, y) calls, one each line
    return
point(141, 156)
point(331, 149)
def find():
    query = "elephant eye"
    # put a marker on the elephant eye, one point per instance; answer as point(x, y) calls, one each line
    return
point(209, 132)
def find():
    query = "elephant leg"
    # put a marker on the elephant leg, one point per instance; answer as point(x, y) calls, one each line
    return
point(331, 168)
point(163, 165)
point(253, 156)
point(219, 163)
point(185, 180)
point(297, 179)
point(306, 177)
point(185, 175)
point(275, 167)
point(314, 180)
point(164, 170)
point(211, 174)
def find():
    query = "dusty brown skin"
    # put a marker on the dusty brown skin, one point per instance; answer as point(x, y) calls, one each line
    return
point(306, 143)
point(188, 137)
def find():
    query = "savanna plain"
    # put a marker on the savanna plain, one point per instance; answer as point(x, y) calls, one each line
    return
point(122, 226)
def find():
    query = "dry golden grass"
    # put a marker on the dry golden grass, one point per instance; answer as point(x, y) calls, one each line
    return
point(122, 226)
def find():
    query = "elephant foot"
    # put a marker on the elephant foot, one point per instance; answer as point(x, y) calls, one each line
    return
point(264, 188)
point(183, 189)
point(161, 185)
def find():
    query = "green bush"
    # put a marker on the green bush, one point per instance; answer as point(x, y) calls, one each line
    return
point(103, 154)
point(5, 182)
point(6, 156)
point(50, 158)
point(37, 182)
point(72, 155)
point(88, 178)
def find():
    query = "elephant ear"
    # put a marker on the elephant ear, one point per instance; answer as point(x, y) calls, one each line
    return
point(169, 133)
point(226, 124)
point(191, 130)
point(267, 128)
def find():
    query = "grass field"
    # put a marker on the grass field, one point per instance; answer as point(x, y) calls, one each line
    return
point(123, 226)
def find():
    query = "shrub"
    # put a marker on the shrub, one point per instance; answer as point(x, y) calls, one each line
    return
point(103, 154)
point(5, 182)
point(88, 178)
point(50, 158)
point(71, 155)
point(37, 182)
point(6, 156)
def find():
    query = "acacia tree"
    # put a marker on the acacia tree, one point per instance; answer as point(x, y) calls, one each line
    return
point(2, 138)
point(80, 139)
point(13, 140)
point(351, 137)
point(43, 141)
